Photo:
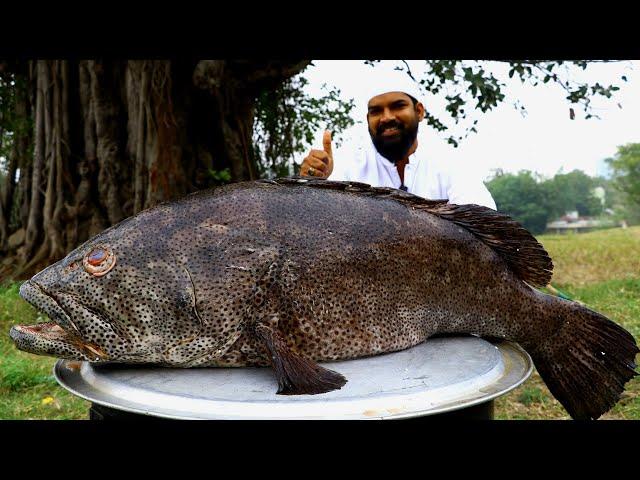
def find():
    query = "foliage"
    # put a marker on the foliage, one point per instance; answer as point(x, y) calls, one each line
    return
point(287, 120)
point(219, 177)
point(7, 105)
point(534, 201)
point(530, 395)
point(11, 125)
point(466, 83)
point(612, 196)
point(626, 171)
point(522, 197)
point(573, 191)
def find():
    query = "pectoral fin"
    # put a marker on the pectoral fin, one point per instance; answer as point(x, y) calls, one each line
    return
point(296, 375)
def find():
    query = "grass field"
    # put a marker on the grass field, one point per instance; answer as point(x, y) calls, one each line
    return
point(600, 269)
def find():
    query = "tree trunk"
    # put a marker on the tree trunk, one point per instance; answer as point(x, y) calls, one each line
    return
point(235, 116)
point(112, 185)
point(89, 216)
point(34, 226)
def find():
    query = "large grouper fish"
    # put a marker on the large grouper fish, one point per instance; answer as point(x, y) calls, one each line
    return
point(290, 272)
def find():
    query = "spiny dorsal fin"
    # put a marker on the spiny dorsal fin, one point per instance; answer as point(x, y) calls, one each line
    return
point(523, 253)
point(526, 257)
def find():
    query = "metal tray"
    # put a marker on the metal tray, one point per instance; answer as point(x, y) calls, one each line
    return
point(437, 376)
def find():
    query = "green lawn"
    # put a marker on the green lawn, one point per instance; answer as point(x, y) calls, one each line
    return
point(600, 269)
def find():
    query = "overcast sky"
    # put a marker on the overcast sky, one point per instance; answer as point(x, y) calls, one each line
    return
point(545, 140)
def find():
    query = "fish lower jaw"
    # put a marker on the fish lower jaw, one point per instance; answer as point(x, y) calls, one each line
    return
point(49, 338)
point(50, 330)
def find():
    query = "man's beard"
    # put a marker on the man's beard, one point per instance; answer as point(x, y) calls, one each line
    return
point(395, 148)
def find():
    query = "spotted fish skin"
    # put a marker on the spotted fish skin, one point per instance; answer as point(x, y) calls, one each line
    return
point(289, 272)
point(380, 278)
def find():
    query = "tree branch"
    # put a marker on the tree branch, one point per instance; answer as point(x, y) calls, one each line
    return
point(268, 74)
point(252, 75)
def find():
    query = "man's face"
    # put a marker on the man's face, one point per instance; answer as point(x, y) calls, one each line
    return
point(393, 124)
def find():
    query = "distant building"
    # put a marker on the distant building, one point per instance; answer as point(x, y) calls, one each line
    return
point(572, 222)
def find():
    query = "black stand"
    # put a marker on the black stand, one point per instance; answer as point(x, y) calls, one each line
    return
point(482, 411)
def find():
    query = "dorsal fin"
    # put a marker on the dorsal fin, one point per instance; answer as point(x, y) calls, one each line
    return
point(526, 257)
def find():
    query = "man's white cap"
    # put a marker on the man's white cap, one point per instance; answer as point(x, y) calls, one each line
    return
point(389, 80)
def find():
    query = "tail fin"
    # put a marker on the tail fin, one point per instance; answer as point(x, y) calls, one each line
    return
point(587, 362)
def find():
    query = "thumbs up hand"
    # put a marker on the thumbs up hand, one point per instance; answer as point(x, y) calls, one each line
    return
point(319, 163)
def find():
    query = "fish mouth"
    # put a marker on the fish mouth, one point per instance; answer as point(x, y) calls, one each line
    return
point(59, 336)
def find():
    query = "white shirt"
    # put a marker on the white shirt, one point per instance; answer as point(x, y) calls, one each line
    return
point(423, 176)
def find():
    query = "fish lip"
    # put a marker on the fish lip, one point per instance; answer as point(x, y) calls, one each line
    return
point(37, 329)
point(60, 329)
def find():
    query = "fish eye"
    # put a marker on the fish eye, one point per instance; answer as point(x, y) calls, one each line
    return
point(96, 256)
point(99, 260)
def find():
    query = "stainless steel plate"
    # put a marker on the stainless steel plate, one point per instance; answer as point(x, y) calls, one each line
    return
point(439, 375)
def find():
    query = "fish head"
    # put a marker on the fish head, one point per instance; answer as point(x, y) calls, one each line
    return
point(120, 297)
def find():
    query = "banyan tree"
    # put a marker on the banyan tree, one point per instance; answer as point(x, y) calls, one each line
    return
point(97, 141)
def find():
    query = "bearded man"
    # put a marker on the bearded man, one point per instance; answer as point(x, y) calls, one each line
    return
point(392, 157)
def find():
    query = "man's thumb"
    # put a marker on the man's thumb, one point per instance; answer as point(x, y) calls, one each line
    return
point(326, 143)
